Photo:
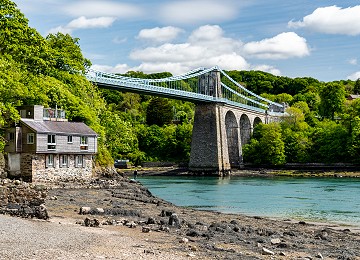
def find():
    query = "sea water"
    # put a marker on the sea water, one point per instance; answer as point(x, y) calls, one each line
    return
point(312, 199)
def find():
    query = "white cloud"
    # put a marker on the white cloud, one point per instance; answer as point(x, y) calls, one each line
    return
point(198, 11)
point(267, 68)
point(102, 8)
point(84, 23)
point(206, 47)
point(332, 20)
point(354, 76)
point(353, 61)
point(282, 46)
point(119, 68)
point(157, 34)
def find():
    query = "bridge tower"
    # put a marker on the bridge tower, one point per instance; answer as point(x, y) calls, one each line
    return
point(209, 150)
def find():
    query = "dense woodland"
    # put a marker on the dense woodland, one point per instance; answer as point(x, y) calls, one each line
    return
point(321, 126)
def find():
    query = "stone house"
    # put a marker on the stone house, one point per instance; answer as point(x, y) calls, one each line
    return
point(44, 146)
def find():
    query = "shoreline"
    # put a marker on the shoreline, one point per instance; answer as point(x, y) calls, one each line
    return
point(355, 227)
point(134, 224)
point(246, 172)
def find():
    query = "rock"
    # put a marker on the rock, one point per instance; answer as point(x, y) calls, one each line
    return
point(131, 224)
point(319, 255)
point(193, 248)
point(166, 213)
point(165, 229)
point(275, 241)
point(282, 254)
point(91, 222)
point(184, 240)
point(41, 212)
point(151, 221)
point(266, 251)
point(84, 210)
point(147, 251)
point(100, 210)
point(145, 229)
point(174, 220)
point(192, 233)
point(323, 235)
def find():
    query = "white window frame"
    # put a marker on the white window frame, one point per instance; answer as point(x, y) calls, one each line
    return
point(63, 161)
point(50, 161)
point(84, 142)
point(30, 138)
point(79, 161)
point(52, 144)
point(70, 139)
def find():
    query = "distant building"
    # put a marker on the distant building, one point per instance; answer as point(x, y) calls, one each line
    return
point(44, 146)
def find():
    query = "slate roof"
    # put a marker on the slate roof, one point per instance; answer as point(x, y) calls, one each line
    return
point(59, 127)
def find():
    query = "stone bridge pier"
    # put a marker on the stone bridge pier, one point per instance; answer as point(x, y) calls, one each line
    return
point(219, 133)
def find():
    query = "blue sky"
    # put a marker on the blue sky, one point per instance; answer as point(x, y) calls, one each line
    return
point(299, 38)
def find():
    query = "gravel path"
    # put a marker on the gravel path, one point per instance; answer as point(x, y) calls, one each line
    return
point(34, 239)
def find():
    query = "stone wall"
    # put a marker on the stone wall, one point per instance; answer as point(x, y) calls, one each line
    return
point(42, 173)
point(2, 166)
point(22, 199)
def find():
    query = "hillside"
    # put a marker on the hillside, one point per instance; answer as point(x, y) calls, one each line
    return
point(322, 125)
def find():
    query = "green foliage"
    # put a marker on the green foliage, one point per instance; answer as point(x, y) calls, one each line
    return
point(267, 146)
point(49, 72)
point(329, 143)
point(159, 112)
point(357, 87)
point(332, 100)
point(67, 54)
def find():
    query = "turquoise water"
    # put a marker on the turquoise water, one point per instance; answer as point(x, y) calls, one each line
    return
point(313, 199)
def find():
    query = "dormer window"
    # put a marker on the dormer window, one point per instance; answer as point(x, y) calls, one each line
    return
point(51, 144)
point(83, 143)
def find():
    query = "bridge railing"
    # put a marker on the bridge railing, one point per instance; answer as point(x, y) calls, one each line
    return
point(186, 86)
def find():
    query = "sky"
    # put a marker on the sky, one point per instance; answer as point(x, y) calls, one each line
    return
point(298, 38)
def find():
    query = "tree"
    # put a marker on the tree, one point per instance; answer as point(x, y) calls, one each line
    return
point(266, 146)
point(159, 112)
point(67, 54)
point(24, 44)
point(357, 87)
point(332, 99)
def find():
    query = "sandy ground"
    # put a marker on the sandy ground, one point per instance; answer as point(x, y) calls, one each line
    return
point(127, 209)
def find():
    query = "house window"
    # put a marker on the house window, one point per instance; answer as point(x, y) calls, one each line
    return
point(83, 143)
point(79, 161)
point(50, 160)
point(11, 137)
point(51, 142)
point(69, 139)
point(64, 161)
point(30, 138)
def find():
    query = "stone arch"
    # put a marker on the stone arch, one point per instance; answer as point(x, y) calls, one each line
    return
point(245, 129)
point(232, 139)
point(257, 121)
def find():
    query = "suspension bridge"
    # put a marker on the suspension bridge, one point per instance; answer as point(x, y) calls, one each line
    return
point(226, 112)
